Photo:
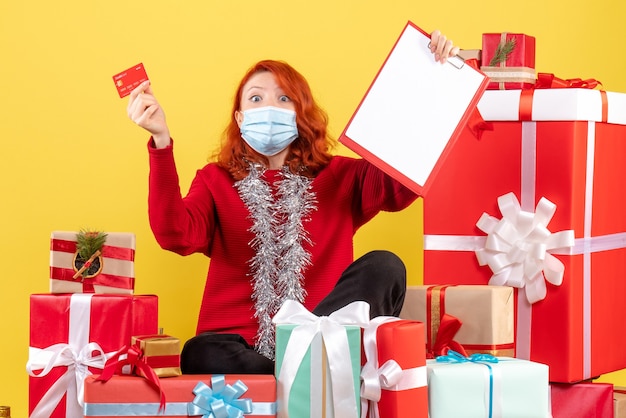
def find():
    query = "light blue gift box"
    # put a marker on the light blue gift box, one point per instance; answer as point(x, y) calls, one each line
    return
point(311, 392)
point(508, 388)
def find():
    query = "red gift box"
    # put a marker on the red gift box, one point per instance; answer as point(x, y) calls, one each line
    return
point(394, 376)
point(72, 336)
point(117, 265)
point(517, 71)
point(131, 396)
point(582, 400)
point(579, 166)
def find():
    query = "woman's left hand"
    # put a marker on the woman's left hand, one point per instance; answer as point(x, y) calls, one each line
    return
point(442, 47)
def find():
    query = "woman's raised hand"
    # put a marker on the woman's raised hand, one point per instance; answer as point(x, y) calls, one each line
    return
point(442, 47)
point(144, 109)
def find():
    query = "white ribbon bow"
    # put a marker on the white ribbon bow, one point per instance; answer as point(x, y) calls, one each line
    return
point(518, 247)
point(389, 376)
point(77, 362)
point(335, 340)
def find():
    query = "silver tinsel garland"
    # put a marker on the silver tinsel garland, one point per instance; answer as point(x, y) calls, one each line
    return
point(277, 268)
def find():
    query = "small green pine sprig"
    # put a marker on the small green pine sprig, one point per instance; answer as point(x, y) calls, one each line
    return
point(88, 242)
point(502, 53)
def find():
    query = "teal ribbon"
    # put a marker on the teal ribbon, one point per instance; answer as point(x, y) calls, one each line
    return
point(220, 400)
point(478, 358)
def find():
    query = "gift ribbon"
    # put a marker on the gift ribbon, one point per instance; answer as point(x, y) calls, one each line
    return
point(102, 279)
point(494, 406)
point(550, 81)
point(444, 326)
point(477, 125)
point(389, 376)
point(518, 247)
point(220, 400)
point(172, 409)
point(108, 251)
point(335, 339)
point(133, 356)
point(78, 355)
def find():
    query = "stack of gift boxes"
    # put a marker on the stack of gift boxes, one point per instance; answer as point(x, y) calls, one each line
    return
point(536, 204)
point(524, 247)
point(96, 350)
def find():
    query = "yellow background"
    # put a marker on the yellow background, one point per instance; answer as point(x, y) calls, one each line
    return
point(71, 159)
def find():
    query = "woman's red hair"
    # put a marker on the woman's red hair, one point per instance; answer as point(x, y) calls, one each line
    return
point(308, 154)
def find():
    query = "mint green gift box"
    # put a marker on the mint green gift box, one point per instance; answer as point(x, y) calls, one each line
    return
point(311, 392)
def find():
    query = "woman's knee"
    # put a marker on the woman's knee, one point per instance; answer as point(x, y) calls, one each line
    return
point(386, 264)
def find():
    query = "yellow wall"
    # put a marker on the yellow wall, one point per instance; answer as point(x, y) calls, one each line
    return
point(70, 158)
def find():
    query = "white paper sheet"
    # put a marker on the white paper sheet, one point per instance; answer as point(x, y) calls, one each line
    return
point(413, 109)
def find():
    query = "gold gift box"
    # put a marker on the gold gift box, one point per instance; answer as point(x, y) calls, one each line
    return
point(161, 352)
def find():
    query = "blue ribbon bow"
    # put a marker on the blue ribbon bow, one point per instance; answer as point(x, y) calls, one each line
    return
point(220, 401)
point(455, 357)
point(479, 358)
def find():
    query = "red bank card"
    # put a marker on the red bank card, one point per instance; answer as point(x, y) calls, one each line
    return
point(127, 80)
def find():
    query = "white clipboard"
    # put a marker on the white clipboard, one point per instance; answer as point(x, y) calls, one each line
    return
point(413, 111)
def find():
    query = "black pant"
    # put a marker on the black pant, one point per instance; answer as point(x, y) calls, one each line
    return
point(378, 278)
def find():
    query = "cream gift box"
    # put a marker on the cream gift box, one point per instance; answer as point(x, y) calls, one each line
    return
point(485, 313)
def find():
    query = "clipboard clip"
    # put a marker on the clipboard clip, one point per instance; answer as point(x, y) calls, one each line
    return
point(456, 61)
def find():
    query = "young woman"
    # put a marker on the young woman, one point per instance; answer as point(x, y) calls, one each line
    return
point(276, 213)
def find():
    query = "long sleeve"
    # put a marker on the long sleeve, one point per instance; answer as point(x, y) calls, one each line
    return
point(183, 225)
point(372, 190)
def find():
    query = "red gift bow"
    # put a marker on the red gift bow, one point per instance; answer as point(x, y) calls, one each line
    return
point(444, 341)
point(477, 125)
point(550, 81)
point(136, 360)
point(448, 325)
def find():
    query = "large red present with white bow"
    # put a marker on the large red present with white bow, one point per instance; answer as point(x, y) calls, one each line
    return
point(71, 337)
point(110, 271)
point(538, 203)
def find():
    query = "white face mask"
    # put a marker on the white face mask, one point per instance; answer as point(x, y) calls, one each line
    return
point(269, 130)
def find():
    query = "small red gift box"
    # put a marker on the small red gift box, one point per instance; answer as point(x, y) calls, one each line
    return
point(72, 336)
point(132, 396)
point(546, 145)
point(116, 272)
point(582, 400)
point(394, 375)
point(508, 59)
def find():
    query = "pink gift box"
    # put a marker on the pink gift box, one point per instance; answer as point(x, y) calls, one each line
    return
point(569, 147)
point(72, 335)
